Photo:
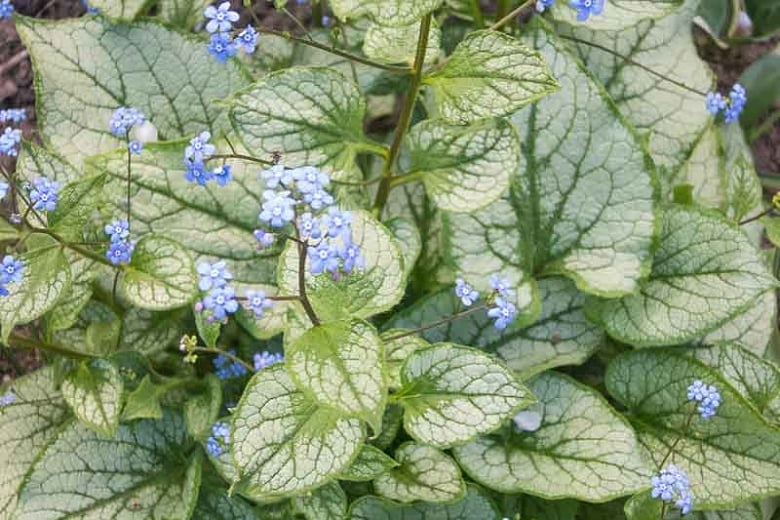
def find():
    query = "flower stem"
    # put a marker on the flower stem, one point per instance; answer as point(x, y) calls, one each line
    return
point(218, 352)
point(302, 285)
point(678, 439)
point(437, 323)
point(756, 217)
point(242, 157)
point(406, 115)
point(511, 16)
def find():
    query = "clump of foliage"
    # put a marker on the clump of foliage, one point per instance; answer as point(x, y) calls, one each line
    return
point(540, 294)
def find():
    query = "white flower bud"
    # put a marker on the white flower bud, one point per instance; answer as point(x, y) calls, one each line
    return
point(146, 133)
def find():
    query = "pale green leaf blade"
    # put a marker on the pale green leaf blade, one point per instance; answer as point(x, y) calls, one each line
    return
point(27, 426)
point(409, 240)
point(341, 365)
point(144, 401)
point(313, 116)
point(369, 464)
point(672, 117)
point(561, 335)
point(213, 221)
point(201, 411)
point(399, 345)
point(94, 393)
point(123, 9)
point(326, 503)
point(74, 215)
point(451, 394)
point(705, 272)
point(489, 74)
point(583, 448)
point(46, 277)
point(424, 473)
point(753, 328)
point(149, 480)
point(377, 288)
point(398, 44)
point(150, 332)
point(619, 14)
point(464, 168)
point(216, 504)
point(160, 275)
point(283, 443)
point(475, 505)
point(86, 68)
point(388, 12)
point(730, 458)
point(35, 161)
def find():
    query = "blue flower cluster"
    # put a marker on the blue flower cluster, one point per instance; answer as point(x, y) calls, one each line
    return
point(219, 440)
point(9, 140)
point(12, 272)
point(731, 107)
point(671, 485)
point(6, 9)
point(586, 8)
point(220, 24)
point(7, 398)
point(123, 119)
point(120, 248)
point(44, 194)
point(13, 115)
point(266, 359)
point(226, 368)
point(707, 396)
point(195, 155)
point(500, 307)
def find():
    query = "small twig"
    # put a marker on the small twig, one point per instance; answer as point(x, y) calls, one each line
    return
point(756, 217)
point(15, 60)
point(512, 15)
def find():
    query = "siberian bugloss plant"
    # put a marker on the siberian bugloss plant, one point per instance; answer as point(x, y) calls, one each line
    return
point(538, 294)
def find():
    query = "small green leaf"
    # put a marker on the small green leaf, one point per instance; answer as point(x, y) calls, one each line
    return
point(149, 480)
point(761, 79)
point(464, 168)
point(94, 393)
point(733, 457)
point(283, 443)
point(705, 272)
point(489, 74)
point(45, 279)
point(369, 464)
point(313, 116)
point(326, 503)
point(361, 294)
point(397, 351)
point(160, 275)
point(27, 426)
point(424, 474)
point(475, 505)
point(583, 448)
point(387, 12)
point(208, 332)
point(143, 402)
point(75, 208)
point(340, 365)
point(202, 411)
point(451, 394)
point(644, 507)
point(398, 44)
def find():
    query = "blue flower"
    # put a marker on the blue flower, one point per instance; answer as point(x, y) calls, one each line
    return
point(135, 147)
point(16, 115)
point(276, 175)
point(501, 286)
point(338, 224)
point(7, 398)
point(671, 484)
point(310, 179)
point(715, 103)
point(199, 148)
point(3, 189)
point(265, 359)
point(542, 5)
point(118, 230)
point(213, 275)
point(464, 291)
point(220, 18)
point(44, 194)
point(737, 101)
point(503, 312)
point(13, 270)
point(247, 39)
point(707, 396)
point(123, 119)
point(222, 47)
point(213, 447)
point(223, 174)
point(6, 9)
point(265, 238)
point(196, 172)
point(309, 226)
point(278, 208)
point(586, 8)
point(226, 368)
point(9, 140)
point(257, 302)
point(323, 258)
point(352, 257)
point(221, 301)
point(318, 199)
point(120, 251)
point(221, 430)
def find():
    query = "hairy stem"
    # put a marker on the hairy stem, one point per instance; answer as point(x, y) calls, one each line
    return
point(406, 115)
point(437, 323)
point(302, 284)
point(218, 352)
point(241, 157)
point(505, 19)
